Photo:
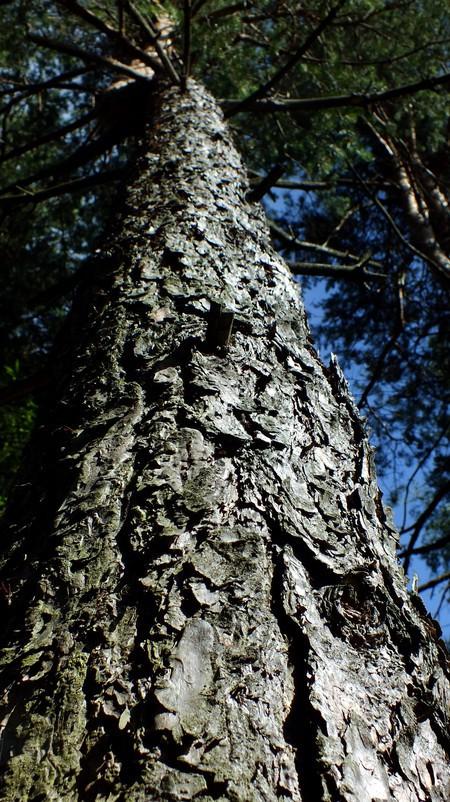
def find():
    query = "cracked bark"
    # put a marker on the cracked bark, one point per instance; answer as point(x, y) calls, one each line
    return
point(200, 582)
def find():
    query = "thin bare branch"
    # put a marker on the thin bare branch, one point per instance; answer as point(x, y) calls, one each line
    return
point(313, 186)
point(378, 369)
point(424, 459)
point(436, 544)
point(342, 222)
point(440, 494)
point(352, 271)
point(187, 35)
point(291, 242)
point(433, 582)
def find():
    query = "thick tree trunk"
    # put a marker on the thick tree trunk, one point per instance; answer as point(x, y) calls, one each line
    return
point(205, 602)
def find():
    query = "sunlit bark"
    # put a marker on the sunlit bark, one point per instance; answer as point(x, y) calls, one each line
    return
point(201, 587)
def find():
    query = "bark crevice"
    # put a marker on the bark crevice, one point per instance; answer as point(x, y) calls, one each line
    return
point(302, 722)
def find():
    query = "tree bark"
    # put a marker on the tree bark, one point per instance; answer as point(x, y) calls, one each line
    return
point(201, 586)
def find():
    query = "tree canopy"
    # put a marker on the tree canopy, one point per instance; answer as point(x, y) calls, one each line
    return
point(341, 112)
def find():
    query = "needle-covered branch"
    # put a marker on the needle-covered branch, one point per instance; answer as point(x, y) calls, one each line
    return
point(26, 88)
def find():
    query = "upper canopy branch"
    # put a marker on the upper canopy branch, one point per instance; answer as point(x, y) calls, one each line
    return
point(265, 88)
point(153, 37)
point(423, 201)
point(96, 22)
point(107, 62)
point(334, 101)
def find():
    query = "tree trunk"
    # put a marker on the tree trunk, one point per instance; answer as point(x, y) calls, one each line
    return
point(201, 583)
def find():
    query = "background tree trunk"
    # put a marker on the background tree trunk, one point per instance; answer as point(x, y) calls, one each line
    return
point(200, 580)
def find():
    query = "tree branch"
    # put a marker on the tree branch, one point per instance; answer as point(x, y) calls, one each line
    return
point(57, 133)
point(187, 33)
point(436, 544)
point(265, 88)
point(135, 14)
point(377, 371)
point(121, 17)
point(26, 89)
point(423, 460)
point(225, 11)
point(77, 185)
point(440, 268)
point(106, 62)
point(393, 59)
point(335, 101)
point(294, 243)
point(95, 22)
point(266, 183)
point(433, 582)
point(22, 388)
point(356, 270)
point(312, 186)
point(440, 493)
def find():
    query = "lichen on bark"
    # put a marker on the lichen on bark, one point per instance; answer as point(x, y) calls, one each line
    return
point(207, 602)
